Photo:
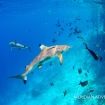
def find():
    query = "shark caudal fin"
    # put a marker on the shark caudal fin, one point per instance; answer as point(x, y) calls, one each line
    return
point(24, 78)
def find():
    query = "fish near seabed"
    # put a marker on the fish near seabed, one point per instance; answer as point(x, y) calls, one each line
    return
point(47, 54)
point(18, 45)
point(84, 83)
point(65, 93)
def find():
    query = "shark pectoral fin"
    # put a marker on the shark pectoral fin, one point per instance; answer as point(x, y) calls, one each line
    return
point(60, 58)
point(24, 78)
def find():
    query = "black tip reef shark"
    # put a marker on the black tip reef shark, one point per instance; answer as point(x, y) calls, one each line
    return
point(47, 54)
point(18, 45)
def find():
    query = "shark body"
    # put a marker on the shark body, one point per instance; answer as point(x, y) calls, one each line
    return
point(18, 45)
point(47, 54)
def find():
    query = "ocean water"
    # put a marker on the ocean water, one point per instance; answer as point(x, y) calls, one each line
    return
point(80, 80)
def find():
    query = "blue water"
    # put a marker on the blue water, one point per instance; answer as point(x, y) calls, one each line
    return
point(33, 22)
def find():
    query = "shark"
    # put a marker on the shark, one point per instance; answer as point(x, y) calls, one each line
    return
point(47, 54)
point(18, 45)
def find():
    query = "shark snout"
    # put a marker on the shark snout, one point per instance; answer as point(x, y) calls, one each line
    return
point(10, 43)
point(67, 48)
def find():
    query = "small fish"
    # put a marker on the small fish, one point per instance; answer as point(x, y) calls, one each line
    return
point(83, 83)
point(52, 84)
point(88, 88)
point(88, 71)
point(80, 37)
point(71, 28)
point(69, 24)
point(58, 24)
point(91, 91)
point(65, 93)
point(62, 29)
point(54, 40)
point(73, 67)
point(59, 33)
point(78, 18)
point(79, 70)
point(70, 34)
point(86, 75)
point(77, 31)
point(74, 32)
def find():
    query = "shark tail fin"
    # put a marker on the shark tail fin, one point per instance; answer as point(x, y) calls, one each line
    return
point(24, 78)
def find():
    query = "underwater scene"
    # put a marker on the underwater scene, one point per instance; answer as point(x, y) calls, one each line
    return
point(52, 52)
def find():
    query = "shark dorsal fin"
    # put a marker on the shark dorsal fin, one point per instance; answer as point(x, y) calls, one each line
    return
point(42, 47)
